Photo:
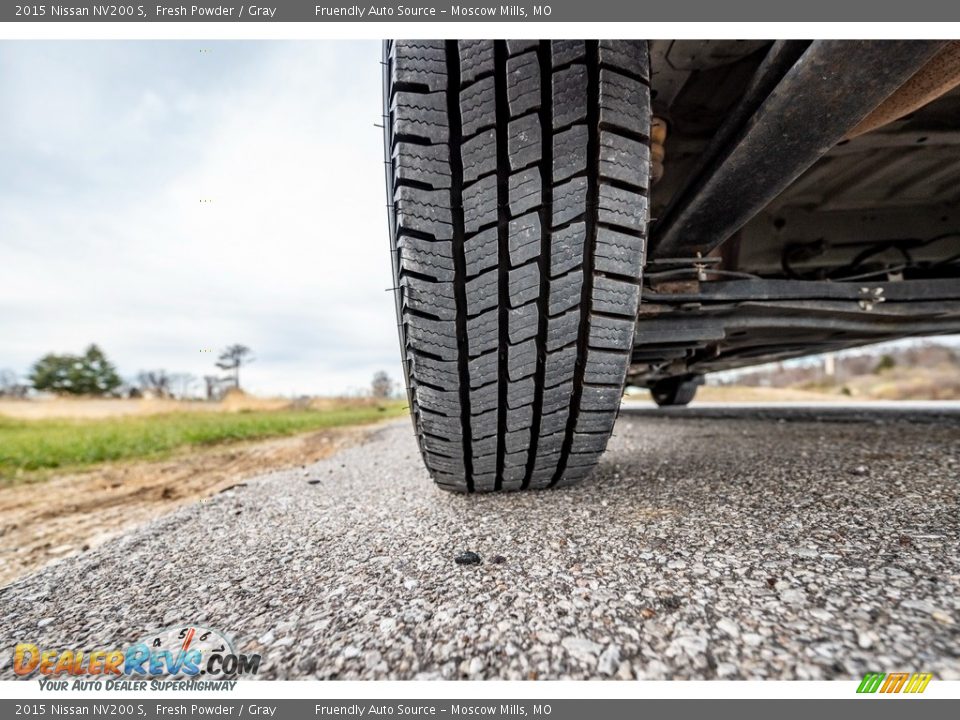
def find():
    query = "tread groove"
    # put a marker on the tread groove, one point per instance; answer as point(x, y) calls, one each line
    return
point(546, 237)
point(502, 112)
point(459, 255)
point(590, 241)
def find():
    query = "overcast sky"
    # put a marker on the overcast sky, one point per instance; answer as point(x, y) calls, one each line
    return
point(108, 150)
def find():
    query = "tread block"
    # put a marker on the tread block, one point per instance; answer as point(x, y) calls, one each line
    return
point(525, 238)
point(422, 115)
point(445, 402)
point(524, 191)
point(476, 58)
point(622, 208)
point(480, 251)
point(524, 284)
point(521, 392)
point(517, 441)
point(484, 482)
point(427, 257)
point(419, 62)
point(436, 424)
point(478, 107)
point(520, 418)
point(567, 51)
point(483, 369)
point(605, 367)
point(423, 163)
point(617, 252)
point(483, 333)
point(523, 322)
point(479, 155)
point(557, 398)
point(624, 159)
point(521, 360)
point(589, 421)
point(543, 471)
point(485, 446)
point(485, 464)
point(554, 422)
point(484, 425)
point(482, 292)
point(562, 329)
point(565, 292)
point(483, 399)
point(480, 204)
point(523, 83)
point(569, 200)
point(624, 102)
point(515, 47)
point(630, 55)
point(442, 446)
point(559, 366)
point(569, 95)
point(616, 297)
point(566, 248)
point(588, 443)
point(611, 333)
point(445, 464)
point(429, 297)
point(512, 461)
point(426, 211)
point(524, 142)
point(438, 337)
point(550, 444)
point(600, 397)
point(569, 152)
point(436, 372)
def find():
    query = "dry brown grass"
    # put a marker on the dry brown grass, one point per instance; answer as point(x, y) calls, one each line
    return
point(102, 408)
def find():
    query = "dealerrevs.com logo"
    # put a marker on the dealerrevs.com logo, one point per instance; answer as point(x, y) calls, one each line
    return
point(179, 653)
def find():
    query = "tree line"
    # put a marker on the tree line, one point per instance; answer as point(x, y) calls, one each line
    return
point(91, 374)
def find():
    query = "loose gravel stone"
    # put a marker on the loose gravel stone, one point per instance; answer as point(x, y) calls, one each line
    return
point(467, 558)
point(708, 544)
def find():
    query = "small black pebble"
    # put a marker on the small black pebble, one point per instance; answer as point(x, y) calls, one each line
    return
point(313, 482)
point(467, 558)
point(498, 560)
point(672, 602)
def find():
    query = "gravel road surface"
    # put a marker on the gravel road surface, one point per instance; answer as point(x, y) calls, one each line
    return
point(724, 542)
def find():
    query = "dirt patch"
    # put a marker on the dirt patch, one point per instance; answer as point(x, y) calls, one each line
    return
point(69, 514)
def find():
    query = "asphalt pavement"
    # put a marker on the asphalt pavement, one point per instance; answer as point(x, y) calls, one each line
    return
point(712, 542)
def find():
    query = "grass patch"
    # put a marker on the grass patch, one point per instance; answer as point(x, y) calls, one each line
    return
point(31, 448)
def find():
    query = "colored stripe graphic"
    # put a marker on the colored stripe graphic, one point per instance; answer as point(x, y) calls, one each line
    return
point(918, 682)
point(870, 683)
point(895, 682)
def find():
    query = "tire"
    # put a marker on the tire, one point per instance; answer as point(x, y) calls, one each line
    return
point(676, 391)
point(517, 176)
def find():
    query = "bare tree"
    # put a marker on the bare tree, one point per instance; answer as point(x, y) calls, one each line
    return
point(156, 382)
point(232, 358)
point(181, 384)
point(382, 385)
point(10, 385)
point(213, 386)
